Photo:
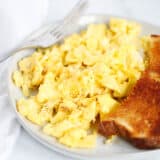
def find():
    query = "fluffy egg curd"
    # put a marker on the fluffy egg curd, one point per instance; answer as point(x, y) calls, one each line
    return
point(80, 79)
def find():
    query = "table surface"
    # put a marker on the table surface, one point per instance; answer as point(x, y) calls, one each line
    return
point(26, 147)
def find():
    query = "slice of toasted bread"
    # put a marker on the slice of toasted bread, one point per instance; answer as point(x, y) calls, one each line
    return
point(137, 119)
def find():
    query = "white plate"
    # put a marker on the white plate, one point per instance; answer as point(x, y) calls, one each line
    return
point(118, 149)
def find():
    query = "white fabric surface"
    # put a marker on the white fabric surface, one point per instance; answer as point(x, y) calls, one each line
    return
point(26, 147)
point(10, 129)
point(18, 19)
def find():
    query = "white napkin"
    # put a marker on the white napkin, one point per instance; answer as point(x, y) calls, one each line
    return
point(9, 128)
point(18, 19)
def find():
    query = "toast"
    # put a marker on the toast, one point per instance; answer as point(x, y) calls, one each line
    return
point(137, 119)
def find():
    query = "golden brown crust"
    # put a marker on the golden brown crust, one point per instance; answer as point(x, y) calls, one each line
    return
point(137, 119)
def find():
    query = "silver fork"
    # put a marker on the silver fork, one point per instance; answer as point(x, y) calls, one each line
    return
point(54, 33)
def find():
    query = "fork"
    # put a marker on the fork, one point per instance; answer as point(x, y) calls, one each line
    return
point(54, 33)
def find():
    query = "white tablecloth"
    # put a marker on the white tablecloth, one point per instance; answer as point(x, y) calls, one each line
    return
point(26, 147)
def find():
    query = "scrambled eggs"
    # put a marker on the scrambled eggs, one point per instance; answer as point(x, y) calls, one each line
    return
point(81, 78)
